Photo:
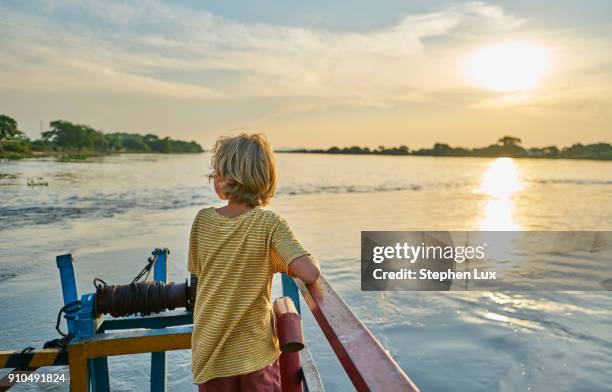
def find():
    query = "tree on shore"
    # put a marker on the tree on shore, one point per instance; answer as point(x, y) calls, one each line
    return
point(13, 142)
point(64, 136)
point(8, 128)
point(67, 135)
point(509, 141)
point(506, 146)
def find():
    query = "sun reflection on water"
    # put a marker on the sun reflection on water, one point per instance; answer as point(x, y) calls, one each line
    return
point(500, 183)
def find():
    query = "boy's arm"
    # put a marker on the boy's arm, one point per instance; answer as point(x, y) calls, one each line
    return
point(305, 268)
point(290, 256)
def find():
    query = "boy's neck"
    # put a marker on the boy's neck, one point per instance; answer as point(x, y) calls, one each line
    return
point(233, 209)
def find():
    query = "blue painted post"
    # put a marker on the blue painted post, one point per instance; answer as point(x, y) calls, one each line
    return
point(290, 290)
point(98, 374)
point(160, 269)
point(158, 359)
point(69, 288)
point(80, 320)
point(86, 325)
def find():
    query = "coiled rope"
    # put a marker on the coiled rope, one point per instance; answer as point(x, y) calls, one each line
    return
point(144, 297)
point(141, 298)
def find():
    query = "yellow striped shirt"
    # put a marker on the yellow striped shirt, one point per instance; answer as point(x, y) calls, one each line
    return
point(234, 259)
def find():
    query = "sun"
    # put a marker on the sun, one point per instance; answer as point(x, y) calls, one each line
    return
point(508, 66)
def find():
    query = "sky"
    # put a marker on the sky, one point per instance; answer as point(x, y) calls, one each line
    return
point(315, 73)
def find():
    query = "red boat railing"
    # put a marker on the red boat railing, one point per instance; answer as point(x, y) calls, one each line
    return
point(364, 359)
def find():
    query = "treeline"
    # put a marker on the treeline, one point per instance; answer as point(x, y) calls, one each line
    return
point(66, 137)
point(507, 146)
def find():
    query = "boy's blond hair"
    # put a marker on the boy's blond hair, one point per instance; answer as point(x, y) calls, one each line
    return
point(246, 164)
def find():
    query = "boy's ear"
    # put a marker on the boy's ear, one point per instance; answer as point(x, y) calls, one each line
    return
point(219, 186)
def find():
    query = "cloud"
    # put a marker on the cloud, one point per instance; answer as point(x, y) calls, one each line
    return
point(149, 48)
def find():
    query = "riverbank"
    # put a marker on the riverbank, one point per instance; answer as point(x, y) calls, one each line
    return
point(70, 141)
point(506, 146)
point(66, 156)
point(299, 151)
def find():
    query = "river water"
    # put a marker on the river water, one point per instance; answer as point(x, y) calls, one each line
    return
point(111, 212)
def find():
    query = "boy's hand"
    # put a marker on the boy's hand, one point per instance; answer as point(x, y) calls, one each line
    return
point(316, 290)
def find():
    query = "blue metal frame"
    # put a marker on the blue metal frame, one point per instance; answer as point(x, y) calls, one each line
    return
point(69, 288)
point(82, 323)
point(87, 325)
point(158, 359)
point(290, 290)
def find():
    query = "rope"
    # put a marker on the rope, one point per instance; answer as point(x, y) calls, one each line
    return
point(69, 311)
point(146, 269)
point(58, 343)
point(144, 297)
point(141, 298)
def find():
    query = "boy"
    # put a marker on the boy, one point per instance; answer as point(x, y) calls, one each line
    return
point(234, 251)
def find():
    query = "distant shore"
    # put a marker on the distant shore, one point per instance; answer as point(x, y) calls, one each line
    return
point(506, 146)
point(67, 141)
point(66, 156)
